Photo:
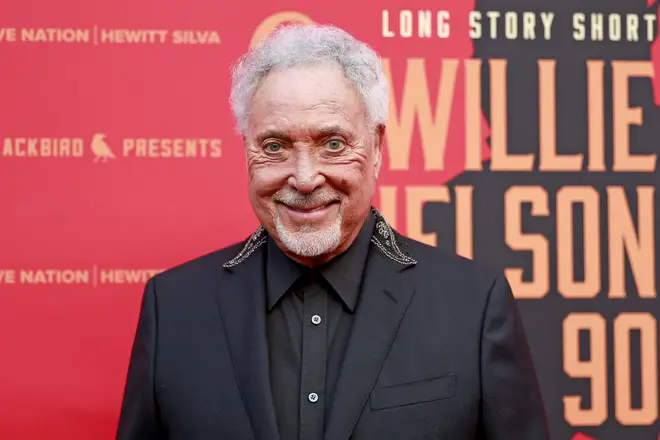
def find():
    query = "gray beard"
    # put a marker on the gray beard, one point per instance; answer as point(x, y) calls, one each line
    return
point(310, 241)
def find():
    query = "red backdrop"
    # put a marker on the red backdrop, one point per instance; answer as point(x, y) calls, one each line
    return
point(119, 159)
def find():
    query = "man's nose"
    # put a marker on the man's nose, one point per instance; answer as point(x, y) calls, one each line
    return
point(306, 176)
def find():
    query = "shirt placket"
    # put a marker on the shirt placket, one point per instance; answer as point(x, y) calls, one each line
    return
point(313, 371)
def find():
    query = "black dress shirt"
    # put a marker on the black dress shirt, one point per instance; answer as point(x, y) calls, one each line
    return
point(309, 319)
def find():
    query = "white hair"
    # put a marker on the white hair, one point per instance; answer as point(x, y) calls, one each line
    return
point(294, 45)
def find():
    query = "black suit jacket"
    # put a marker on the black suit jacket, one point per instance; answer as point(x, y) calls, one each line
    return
point(437, 351)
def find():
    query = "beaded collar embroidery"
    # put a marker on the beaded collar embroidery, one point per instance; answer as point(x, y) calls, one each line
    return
point(384, 237)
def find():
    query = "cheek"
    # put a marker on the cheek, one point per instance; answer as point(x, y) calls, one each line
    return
point(266, 180)
point(353, 179)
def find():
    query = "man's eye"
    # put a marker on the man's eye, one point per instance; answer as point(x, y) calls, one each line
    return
point(335, 145)
point(273, 147)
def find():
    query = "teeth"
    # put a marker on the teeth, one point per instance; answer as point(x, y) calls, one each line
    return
point(303, 209)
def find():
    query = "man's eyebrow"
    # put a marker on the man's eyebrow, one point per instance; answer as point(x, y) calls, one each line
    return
point(333, 130)
point(274, 133)
point(323, 132)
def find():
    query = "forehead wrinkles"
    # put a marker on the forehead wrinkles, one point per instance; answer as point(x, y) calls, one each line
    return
point(298, 126)
point(285, 98)
point(290, 109)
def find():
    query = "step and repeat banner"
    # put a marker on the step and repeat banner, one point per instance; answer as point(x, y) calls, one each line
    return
point(522, 134)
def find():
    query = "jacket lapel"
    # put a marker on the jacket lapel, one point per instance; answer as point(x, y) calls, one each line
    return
point(242, 303)
point(386, 293)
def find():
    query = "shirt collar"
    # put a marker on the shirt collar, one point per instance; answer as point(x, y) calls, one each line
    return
point(344, 273)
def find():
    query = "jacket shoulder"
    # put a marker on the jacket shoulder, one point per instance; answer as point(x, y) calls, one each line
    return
point(436, 265)
point(199, 268)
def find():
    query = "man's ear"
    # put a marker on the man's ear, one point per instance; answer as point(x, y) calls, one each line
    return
point(379, 144)
point(245, 150)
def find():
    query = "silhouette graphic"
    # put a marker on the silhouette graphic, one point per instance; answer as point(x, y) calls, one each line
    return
point(543, 318)
point(101, 149)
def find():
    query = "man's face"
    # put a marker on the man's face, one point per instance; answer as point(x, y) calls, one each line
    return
point(312, 160)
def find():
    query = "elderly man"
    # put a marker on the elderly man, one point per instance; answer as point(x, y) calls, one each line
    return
point(325, 323)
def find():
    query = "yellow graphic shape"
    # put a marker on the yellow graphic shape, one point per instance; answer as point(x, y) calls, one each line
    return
point(101, 149)
point(270, 23)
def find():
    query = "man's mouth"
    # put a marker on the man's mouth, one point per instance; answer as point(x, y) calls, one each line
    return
point(308, 212)
point(309, 208)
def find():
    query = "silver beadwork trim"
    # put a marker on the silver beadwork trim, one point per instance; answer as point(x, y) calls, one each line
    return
point(252, 244)
point(384, 238)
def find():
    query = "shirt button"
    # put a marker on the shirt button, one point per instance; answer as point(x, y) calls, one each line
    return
point(316, 319)
point(313, 397)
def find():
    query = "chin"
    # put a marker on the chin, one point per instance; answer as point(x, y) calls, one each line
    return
point(310, 240)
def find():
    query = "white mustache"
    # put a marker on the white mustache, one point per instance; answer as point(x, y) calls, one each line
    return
point(297, 200)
